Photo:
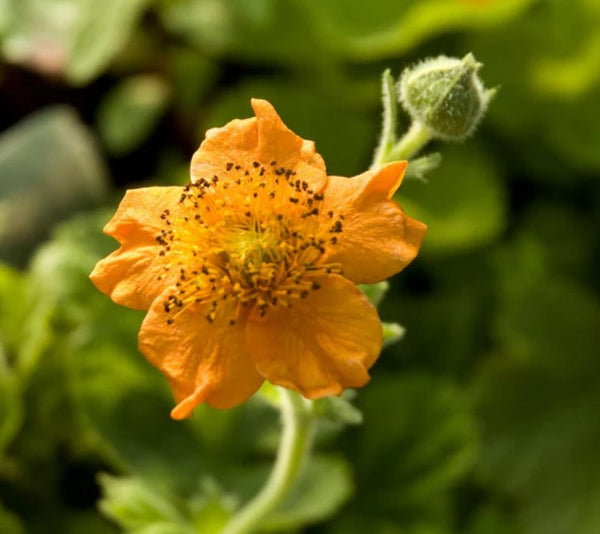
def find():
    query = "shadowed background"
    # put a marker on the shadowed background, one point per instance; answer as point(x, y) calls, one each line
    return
point(484, 419)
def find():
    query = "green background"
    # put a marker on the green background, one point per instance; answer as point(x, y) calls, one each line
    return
point(483, 419)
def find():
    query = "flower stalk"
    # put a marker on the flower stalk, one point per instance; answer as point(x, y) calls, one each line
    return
point(298, 428)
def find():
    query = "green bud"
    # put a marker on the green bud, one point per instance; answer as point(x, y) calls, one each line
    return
point(446, 95)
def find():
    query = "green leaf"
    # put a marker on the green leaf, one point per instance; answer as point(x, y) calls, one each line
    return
point(324, 487)
point(537, 75)
point(49, 168)
point(418, 439)
point(539, 399)
point(11, 405)
point(130, 111)
point(137, 507)
point(338, 409)
point(389, 97)
point(375, 292)
point(101, 33)
point(245, 29)
point(13, 309)
point(419, 168)
point(75, 38)
point(389, 28)
point(463, 203)
point(392, 332)
point(9, 522)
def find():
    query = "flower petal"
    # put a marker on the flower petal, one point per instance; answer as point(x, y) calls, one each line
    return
point(203, 361)
point(133, 275)
point(235, 143)
point(377, 239)
point(276, 142)
point(263, 139)
point(322, 344)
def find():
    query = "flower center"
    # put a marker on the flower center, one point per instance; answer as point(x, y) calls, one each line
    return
point(251, 239)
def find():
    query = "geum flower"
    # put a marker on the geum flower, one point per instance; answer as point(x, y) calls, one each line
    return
point(249, 272)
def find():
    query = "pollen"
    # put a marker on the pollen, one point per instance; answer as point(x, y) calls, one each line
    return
point(249, 237)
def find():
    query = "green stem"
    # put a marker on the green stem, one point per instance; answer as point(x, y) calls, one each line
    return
point(296, 439)
point(413, 140)
point(390, 112)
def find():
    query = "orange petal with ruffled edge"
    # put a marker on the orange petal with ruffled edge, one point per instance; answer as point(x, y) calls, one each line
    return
point(204, 362)
point(378, 239)
point(262, 139)
point(322, 344)
point(133, 275)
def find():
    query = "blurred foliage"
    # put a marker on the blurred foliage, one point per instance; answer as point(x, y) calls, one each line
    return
point(483, 419)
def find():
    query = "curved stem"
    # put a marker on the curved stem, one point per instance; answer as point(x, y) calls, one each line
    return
point(298, 426)
point(414, 140)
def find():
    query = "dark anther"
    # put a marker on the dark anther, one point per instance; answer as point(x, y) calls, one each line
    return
point(229, 166)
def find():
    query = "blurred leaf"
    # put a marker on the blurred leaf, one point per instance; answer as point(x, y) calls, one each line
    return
point(539, 398)
point(136, 507)
point(463, 202)
point(11, 408)
point(375, 292)
point(419, 168)
point(246, 28)
point(50, 168)
point(417, 440)
point(210, 508)
point(101, 33)
point(388, 28)
point(74, 38)
point(321, 491)
point(392, 332)
point(338, 409)
point(550, 88)
point(192, 75)
point(13, 309)
point(130, 111)
point(9, 522)
point(312, 31)
point(88, 521)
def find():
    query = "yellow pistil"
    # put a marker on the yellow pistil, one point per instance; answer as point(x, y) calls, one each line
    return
point(262, 244)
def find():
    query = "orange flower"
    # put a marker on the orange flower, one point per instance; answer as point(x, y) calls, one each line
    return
point(249, 272)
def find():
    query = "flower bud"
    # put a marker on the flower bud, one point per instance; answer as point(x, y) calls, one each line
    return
point(446, 95)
